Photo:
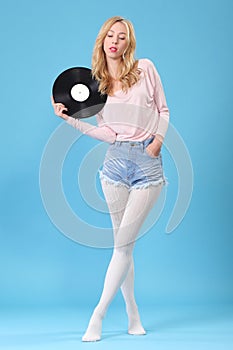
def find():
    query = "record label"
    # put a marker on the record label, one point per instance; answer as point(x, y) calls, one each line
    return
point(80, 92)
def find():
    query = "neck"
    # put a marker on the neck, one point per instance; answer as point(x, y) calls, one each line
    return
point(113, 67)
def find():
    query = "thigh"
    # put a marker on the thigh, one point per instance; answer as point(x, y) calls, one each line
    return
point(116, 198)
point(139, 203)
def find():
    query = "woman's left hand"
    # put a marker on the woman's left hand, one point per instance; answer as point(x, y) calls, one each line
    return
point(154, 148)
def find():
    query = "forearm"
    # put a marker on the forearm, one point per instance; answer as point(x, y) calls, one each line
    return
point(162, 125)
point(155, 146)
point(102, 133)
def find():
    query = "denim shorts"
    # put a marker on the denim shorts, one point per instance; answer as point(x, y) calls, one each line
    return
point(127, 163)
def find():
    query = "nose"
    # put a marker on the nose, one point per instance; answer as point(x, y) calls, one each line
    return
point(114, 40)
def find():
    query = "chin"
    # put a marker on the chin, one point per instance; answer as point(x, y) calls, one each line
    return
point(114, 56)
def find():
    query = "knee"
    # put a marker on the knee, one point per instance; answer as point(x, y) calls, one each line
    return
point(124, 252)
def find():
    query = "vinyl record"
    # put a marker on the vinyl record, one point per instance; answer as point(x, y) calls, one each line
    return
point(78, 91)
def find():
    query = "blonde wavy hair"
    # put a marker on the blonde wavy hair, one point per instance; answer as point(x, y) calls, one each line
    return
point(130, 74)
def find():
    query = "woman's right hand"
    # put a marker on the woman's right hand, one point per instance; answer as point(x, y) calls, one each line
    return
point(59, 108)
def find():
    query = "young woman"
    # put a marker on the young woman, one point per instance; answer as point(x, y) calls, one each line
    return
point(134, 122)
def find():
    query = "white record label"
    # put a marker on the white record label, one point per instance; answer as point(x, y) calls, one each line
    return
point(80, 92)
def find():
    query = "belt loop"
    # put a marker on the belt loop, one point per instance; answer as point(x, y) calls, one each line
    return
point(143, 145)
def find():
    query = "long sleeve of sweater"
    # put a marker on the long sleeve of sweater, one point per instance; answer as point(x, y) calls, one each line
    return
point(101, 132)
point(160, 101)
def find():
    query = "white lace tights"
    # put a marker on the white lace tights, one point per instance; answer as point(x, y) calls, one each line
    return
point(128, 211)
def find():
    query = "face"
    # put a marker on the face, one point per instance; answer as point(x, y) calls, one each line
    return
point(115, 42)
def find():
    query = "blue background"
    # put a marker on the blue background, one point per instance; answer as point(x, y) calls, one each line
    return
point(190, 43)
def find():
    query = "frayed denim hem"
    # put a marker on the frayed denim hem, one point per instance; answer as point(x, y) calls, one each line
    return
point(110, 181)
point(162, 181)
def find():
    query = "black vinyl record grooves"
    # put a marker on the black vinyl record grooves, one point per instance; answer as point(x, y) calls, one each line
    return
point(78, 91)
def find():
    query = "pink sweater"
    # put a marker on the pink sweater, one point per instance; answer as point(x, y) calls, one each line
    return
point(140, 113)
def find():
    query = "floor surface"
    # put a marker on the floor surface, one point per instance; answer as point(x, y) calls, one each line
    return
point(176, 327)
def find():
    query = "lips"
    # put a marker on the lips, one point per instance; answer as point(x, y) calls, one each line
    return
point(113, 49)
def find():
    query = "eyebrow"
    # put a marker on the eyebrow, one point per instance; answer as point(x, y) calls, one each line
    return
point(110, 30)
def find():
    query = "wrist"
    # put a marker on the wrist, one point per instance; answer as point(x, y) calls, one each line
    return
point(65, 117)
point(157, 143)
point(159, 138)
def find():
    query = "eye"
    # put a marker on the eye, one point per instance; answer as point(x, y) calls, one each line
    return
point(122, 38)
point(109, 35)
